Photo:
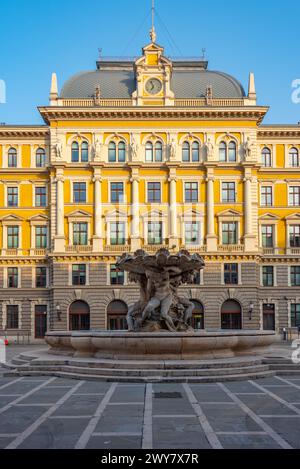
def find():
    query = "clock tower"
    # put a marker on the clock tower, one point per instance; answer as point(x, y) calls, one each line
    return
point(153, 74)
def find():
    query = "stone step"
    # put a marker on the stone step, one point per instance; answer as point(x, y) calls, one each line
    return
point(118, 372)
point(19, 361)
point(284, 366)
point(141, 379)
point(148, 364)
point(280, 372)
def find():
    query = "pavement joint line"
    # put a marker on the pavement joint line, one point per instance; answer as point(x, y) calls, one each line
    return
point(126, 403)
point(217, 403)
point(35, 405)
point(250, 393)
point(10, 383)
point(289, 383)
point(277, 398)
point(10, 395)
point(24, 396)
point(279, 416)
point(37, 423)
point(90, 394)
point(71, 416)
point(90, 428)
point(263, 425)
point(8, 435)
point(117, 434)
point(147, 435)
point(241, 433)
point(208, 430)
point(171, 416)
point(58, 387)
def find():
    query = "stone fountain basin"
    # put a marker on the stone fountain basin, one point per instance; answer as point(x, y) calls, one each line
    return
point(164, 345)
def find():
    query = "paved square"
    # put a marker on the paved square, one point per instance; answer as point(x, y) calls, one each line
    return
point(50, 412)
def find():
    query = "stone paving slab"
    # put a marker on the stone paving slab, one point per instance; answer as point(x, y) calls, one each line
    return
point(258, 414)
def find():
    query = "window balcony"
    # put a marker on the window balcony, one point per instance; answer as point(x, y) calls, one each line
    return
point(293, 251)
point(231, 248)
point(119, 248)
point(78, 248)
point(154, 247)
point(38, 252)
point(195, 248)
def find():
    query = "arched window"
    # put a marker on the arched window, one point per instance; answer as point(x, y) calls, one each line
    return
point(158, 151)
point(116, 315)
point(149, 151)
point(75, 152)
point(185, 152)
point(40, 158)
point(112, 152)
point(12, 158)
point(231, 315)
point(195, 152)
point(198, 315)
point(223, 151)
point(266, 159)
point(84, 152)
point(121, 152)
point(79, 316)
point(294, 157)
point(232, 152)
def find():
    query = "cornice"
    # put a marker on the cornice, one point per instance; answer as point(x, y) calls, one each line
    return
point(284, 131)
point(153, 113)
point(9, 131)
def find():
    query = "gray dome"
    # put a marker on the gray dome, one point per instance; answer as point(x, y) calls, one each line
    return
point(120, 84)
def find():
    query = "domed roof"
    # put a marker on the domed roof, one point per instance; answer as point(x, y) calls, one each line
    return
point(117, 82)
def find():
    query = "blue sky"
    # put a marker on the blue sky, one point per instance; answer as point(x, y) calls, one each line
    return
point(39, 37)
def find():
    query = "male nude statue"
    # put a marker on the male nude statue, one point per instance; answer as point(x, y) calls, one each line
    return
point(159, 282)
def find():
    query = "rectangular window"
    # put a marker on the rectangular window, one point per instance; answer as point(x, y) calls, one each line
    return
point(231, 274)
point(12, 277)
point(12, 158)
point(228, 192)
point(192, 233)
point(294, 196)
point(12, 317)
point(12, 196)
point(40, 197)
point(41, 237)
point(41, 277)
point(191, 192)
point(155, 233)
point(229, 233)
point(267, 236)
point(80, 234)
point(78, 274)
point(294, 231)
point(116, 275)
point(268, 276)
point(117, 233)
point(295, 276)
point(12, 237)
point(79, 192)
point(266, 197)
point(154, 192)
point(295, 315)
point(117, 192)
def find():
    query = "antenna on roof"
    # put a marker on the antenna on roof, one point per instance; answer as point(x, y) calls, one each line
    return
point(203, 53)
point(100, 52)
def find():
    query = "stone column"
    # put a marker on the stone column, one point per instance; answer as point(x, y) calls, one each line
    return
point(249, 237)
point(173, 235)
point(135, 211)
point(59, 240)
point(98, 235)
point(211, 238)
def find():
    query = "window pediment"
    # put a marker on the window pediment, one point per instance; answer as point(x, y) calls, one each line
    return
point(154, 214)
point(77, 214)
point(114, 215)
point(269, 217)
point(229, 214)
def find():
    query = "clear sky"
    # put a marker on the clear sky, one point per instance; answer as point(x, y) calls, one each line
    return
point(38, 37)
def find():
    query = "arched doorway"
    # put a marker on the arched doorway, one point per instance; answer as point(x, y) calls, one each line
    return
point(116, 315)
point(79, 316)
point(198, 315)
point(231, 315)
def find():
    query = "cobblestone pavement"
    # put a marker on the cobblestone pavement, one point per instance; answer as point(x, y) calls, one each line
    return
point(43, 412)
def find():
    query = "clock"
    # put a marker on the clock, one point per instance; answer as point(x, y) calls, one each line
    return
point(153, 86)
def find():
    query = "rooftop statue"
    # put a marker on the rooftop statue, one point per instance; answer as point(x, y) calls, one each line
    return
point(159, 276)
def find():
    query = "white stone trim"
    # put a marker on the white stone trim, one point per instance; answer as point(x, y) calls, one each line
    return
point(11, 302)
point(33, 274)
point(5, 276)
point(147, 181)
point(112, 180)
point(239, 271)
point(79, 180)
point(8, 184)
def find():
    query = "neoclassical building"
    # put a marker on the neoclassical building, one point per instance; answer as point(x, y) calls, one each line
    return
point(149, 153)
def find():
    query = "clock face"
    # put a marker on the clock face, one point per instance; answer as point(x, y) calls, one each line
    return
point(153, 86)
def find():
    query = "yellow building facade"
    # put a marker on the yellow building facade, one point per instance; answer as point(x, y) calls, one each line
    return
point(144, 154)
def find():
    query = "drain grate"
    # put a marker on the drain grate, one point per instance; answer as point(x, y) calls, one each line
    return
point(167, 395)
